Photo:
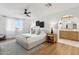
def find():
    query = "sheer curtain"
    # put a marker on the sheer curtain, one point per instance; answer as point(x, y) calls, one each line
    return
point(13, 27)
point(10, 27)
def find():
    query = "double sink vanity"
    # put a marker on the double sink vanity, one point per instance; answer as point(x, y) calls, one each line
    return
point(69, 28)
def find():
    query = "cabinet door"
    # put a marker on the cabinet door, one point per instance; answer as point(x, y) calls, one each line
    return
point(55, 37)
point(78, 36)
point(63, 34)
point(73, 35)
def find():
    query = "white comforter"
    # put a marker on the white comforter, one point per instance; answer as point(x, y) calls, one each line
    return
point(30, 40)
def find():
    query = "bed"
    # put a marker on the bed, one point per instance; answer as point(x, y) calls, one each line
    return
point(29, 41)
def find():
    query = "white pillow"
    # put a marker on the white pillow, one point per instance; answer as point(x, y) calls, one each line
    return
point(32, 31)
point(37, 30)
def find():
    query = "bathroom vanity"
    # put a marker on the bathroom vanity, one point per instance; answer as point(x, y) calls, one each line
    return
point(69, 28)
point(69, 34)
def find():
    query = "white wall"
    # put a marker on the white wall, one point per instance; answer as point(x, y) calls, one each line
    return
point(29, 22)
point(2, 25)
point(26, 25)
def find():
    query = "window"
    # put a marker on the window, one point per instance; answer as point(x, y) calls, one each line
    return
point(14, 24)
point(13, 27)
point(19, 24)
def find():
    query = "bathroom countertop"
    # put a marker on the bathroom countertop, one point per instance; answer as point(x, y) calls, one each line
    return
point(69, 30)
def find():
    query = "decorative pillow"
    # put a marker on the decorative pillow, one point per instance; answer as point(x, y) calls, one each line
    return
point(32, 31)
point(37, 30)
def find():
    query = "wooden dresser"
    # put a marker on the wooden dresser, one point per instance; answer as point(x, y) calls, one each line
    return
point(51, 38)
point(71, 35)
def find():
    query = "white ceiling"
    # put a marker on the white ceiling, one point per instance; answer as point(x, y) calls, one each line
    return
point(37, 9)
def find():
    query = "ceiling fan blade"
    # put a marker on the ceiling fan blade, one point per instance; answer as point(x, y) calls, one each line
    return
point(28, 12)
point(28, 15)
point(25, 12)
point(25, 9)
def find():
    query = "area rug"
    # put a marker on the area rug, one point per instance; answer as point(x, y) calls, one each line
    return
point(13, 48)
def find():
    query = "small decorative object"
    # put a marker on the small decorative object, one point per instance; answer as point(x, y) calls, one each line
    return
point(74, 26)
point(66, 26)
point(51, 30)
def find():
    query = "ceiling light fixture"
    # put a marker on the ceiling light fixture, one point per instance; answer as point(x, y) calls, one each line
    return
point(48, 5)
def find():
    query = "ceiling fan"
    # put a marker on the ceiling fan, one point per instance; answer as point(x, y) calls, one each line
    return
point(26, 12)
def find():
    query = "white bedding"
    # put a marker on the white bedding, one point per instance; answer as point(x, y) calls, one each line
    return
point(32, 40)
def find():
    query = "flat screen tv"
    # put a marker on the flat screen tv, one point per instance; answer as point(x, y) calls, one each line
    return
point(37, 23)
point(41, 24)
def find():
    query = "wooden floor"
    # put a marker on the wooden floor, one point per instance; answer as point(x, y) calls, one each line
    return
point(56, 49)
